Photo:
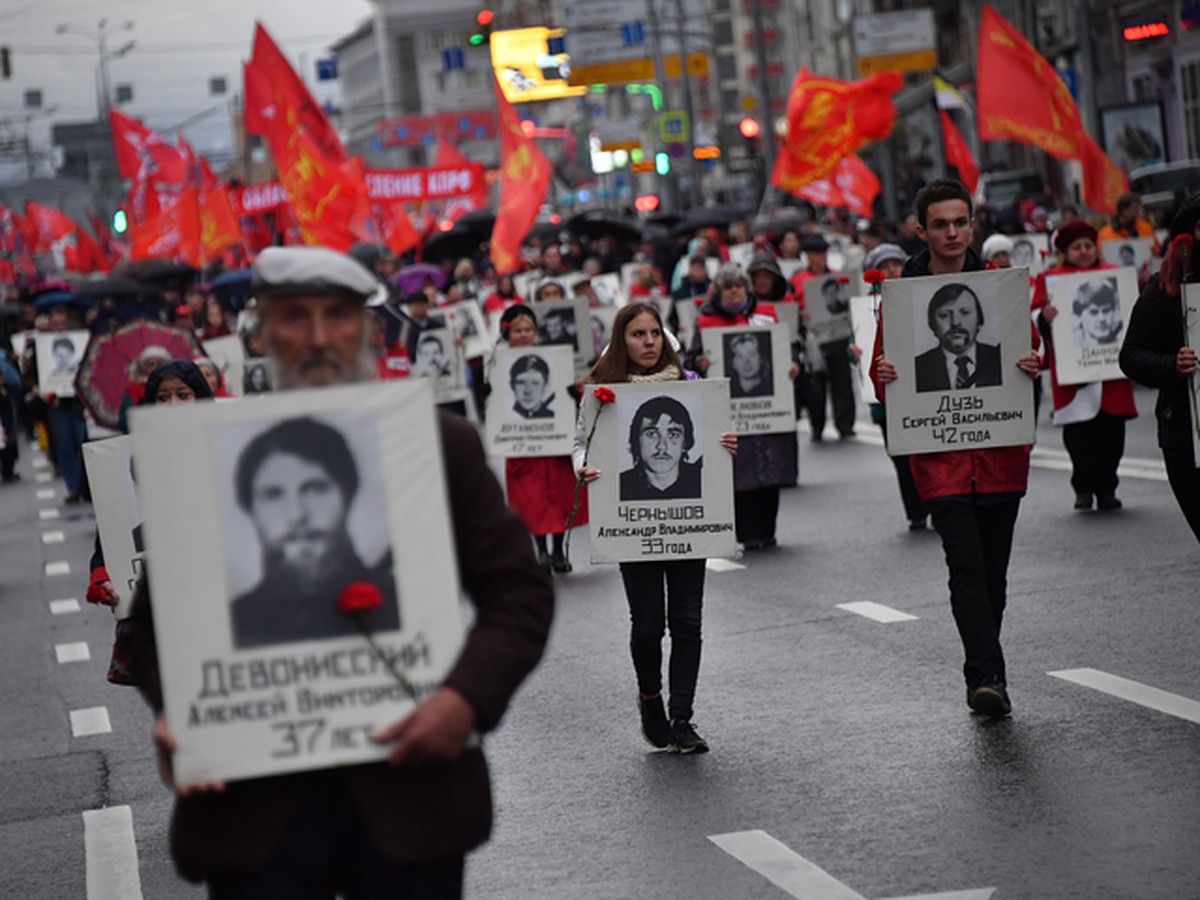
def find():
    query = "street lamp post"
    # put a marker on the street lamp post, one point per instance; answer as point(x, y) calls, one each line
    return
point(104, 29)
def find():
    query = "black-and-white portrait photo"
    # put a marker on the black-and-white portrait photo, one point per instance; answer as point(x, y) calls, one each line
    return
point(557, 326)
point(59, 354)
point(660, 439)
point(64, 356)
point(255, 378)
point(1127, 255)
point(533, 393)
point(955, 317)
point(833, 297)
point(1024, 253)
point(298, 482)
point(433, 357)
point(1096, 314)
point(748, 364)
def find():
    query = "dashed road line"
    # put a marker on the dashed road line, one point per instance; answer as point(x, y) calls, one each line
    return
point(73, 652)
point(723, 565)
point(44, 514)
point(43, 478)
point(45, 494)
point(111, 853)
point(40, 462)
point(53, 537)
point(89, 721)
point(63, 607)
point(58, 567)
point(876, 611)
point(1133, 691)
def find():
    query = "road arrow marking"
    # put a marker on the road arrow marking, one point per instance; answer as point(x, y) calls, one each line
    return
point(876, 611)
point(111, 852)
point(1133, 691)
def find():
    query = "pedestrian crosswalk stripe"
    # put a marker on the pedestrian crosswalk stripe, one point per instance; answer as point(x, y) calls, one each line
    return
point(60, 567)
point(53, 537)
point(1133, 691)
point(43, 478)
point(48, 514)
point(40, 462)
point(111, 854)
point(93, 720)
point(74, 652)
point(62, 607)
point(45, 494)
point(723, 565)
point(876, 611)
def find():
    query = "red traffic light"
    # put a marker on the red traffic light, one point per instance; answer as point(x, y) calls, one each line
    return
point(749, 127)
point(485, 17)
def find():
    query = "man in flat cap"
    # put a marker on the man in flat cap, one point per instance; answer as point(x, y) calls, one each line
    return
point(398, 828)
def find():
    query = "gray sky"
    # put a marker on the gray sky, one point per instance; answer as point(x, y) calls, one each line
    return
point(180, 45)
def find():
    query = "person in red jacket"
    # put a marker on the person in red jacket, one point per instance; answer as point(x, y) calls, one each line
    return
point(973, 496)
point(1092, 416)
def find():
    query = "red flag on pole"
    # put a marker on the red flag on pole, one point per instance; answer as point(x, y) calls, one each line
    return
point(143, 152)
point(1020, 97)
point(50, 226)
point(958, 154)
point(828, 120)
point(524, 179)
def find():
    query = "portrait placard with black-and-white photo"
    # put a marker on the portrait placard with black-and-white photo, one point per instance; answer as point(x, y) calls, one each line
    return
point(607, 288)
point(1130, 252)
point(312, 518)
point(230, 356)
point(529, 412)
point(438, 360)
point(1030, 251)
point(20, 340)
point(827, 304)
point(566, 322)
point(666, 491)
point(755, 359)
point(789, 316)
point(465, 321)
point(256, 376)
point(955, 341)
point(686, 313)
point(109, 465)
point(602, 318)
point(1190, 298)
point(1091, 311)
point(58, 356)
point(862, 317)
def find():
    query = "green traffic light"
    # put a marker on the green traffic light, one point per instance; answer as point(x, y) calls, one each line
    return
point(120, 221)
point(476, 39)
point(662, 163)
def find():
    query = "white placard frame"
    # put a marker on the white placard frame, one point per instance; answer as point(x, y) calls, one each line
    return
point(768, 409)
point(54, 379)
point(308, 704)
point(828, 319)
point(935, 418)
point(644, 528)
point(465, 320)
point(118, 514)
point(1113, 251)
point(445, 370)
point(862, 316)
point(1189, 296)
point(1082, 354)
point(572, 314)
point(550, 429)
point(229, 354)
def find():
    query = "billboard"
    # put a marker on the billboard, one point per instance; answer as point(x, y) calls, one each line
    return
point(526, 69)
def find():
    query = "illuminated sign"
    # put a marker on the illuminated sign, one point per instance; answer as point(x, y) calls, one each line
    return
point(1146, 31)
point(526, 70)
point(707, 153)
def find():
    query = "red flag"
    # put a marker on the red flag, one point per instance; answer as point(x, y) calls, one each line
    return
point(828, 120)
point(859, 186)
point(50, 226)
point(394, 227)
point(269, 62)
point(448, 156)
point(143, 152)
point(524, 179)
point(111, 251)
point(173, 233)
point(89, 255)
point(958, 154)
point(1020, 97)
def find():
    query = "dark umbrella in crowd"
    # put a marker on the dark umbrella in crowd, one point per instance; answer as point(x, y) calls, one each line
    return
point(159, 271)
point(103, 373)
point(597, 223)
point(778, 221)
point(477, 221)
point(117, 288)
point(455, 243)
point(412, 278)
point(232, 287)
point(47, 300)
point(700, 217)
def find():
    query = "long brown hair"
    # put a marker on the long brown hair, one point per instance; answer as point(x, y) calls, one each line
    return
point(613, 366)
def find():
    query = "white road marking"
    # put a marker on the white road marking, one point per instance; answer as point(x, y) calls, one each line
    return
point(45, 494)
point(112, 860)
point(43, 478)
point(75, 652)
point(1133, 691)
point(979, 894)
point(48, 514)
point(876, 611)
point(723, 565)
point(53, 537)
point(782, 866)
point(40, 462)
point(93, 720)
point(62, 607)
point(60, 567)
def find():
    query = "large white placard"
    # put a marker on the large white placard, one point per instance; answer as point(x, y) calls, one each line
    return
point(667, 488)
point(465, 321)
point(1131, 252)
point(862, 317)
point(929, 324)
point(58, 356)
point(756, 360)
point(20, 339)
point(566, 322)
point(827, 304)
point(109, 466)
point(1030, 251)
point(291, 501)
point(229, 353)
point(529, 412)
point(1190, 297)
point(1092, 309)
point(439, 361)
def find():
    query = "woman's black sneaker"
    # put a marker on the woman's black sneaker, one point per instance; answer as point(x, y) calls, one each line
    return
point(683, 739)
point(655, 727)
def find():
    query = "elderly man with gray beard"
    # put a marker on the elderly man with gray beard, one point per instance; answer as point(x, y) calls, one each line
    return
point(390, 829)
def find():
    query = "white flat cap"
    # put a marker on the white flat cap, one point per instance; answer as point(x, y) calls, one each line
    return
point(310, 270)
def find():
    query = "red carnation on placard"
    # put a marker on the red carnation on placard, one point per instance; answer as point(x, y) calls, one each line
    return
point(843, 280)
point(874, 276)
point(605, 395)
point(1044, 253)
point(52, 399)
point(360, 596)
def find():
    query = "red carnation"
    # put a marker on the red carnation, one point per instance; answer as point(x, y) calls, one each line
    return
point(605, 395)
point(359, 596)
point(843, 280)
point(874, 276)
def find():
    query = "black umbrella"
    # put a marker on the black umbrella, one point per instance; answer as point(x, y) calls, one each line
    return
point(783, 219)
point(545, 231)
point(156, 270)
point(455, 243)
point(596, 223)
point(717, 216)
point(477, 221)
point(99, 288)
point(666, 219)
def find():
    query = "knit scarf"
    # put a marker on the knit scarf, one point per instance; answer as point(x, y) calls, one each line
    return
point(670, 373)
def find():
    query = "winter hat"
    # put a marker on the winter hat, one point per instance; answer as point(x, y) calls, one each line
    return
point(996, 243)
point(814, 243)
point(882, 254)
point(1071, 232)
point(765, 262)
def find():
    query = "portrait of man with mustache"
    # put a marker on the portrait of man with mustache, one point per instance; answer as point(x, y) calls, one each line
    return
point(959, 361)
point(661, 436)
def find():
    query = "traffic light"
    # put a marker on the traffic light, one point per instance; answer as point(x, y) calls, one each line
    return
point(483, 28)
point(662, 162)
point(120, 222)
point(750, 130)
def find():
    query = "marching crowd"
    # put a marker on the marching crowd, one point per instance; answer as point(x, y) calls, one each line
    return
point(407, 823)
